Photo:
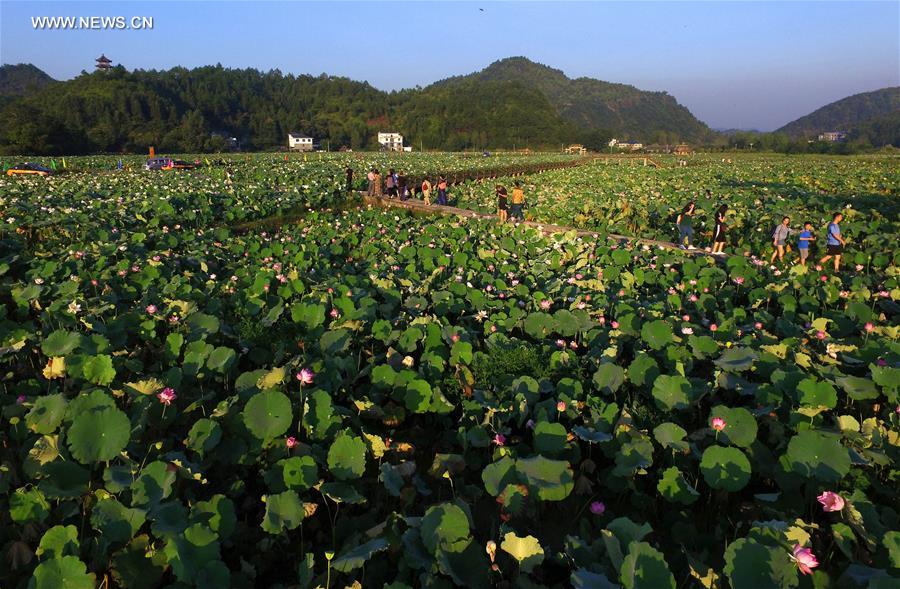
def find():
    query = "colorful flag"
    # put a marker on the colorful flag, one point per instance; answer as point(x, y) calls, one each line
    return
point(64, 163)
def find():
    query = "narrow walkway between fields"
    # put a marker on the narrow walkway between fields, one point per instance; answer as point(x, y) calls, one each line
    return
point(417, 205)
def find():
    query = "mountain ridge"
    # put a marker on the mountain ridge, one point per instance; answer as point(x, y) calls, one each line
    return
point(511, 103)
point(846, 114)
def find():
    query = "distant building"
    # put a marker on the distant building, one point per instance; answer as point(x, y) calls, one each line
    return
point(630, 146)
point(613, 141)
point(300, 142)
point(103, 63)
point(576, 149)
point(682, 149)
point(390, 141)
point(833, 136)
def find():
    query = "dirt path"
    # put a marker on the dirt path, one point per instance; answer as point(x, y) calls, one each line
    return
point(416, 205)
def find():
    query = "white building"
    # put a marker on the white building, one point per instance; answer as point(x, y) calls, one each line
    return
point(833, 136)
point(300, 142)
point(390, 141)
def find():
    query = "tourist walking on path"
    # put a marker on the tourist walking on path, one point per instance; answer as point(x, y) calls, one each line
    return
point(349, 172)
point(501, 203)
point(803, 242)
point(685, 223)
point(721, 230)
point(371, 178)
point(442, 191)
point(401, 186)
point(835, 243)
point(426, 191)
point(779, 239)
point(390, 184)
point(377, 184)
point(518, 202)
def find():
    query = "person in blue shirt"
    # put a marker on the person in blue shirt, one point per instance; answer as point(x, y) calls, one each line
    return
point(803, 242)
point(835, 243)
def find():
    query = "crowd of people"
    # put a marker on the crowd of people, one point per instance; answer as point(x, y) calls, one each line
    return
point(782, 232)
point(396, 184)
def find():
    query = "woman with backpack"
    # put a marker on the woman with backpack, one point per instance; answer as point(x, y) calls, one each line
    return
point(779, 239)
point(685, 225)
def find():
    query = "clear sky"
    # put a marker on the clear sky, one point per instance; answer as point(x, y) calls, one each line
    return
point(733, 64)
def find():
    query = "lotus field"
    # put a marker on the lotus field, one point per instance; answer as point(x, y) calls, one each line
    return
point(360, 397)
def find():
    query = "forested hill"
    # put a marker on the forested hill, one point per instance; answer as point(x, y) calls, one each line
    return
point(624, 110)
point(195, 110)
point(848, 114)
point(20, 79)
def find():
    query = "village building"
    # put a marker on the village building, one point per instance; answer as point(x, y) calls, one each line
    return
point(300, 142)
point(832, 136)
point(389, 141)
point(682, 149)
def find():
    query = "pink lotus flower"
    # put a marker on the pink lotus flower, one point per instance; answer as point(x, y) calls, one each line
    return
point(305, 376)
point(869, 327)
point(821, 335)
point(166, 396)
point(714, 327)
point(823, 278)
point(454, 338)
point(151, 309)
point(758, 325)
point(20, 400)
point(718, 423)
point(290, 442)
point(615, 325)
point(561, 406)
point(602, 320)
point(859, 267)
point(334, 314)
point(545, 304)
point(597, 508)
point(739, 280)
point(500, 439)
point(818, 268)
point(805, 559)
point(560, 343)
point(687, 330)
point(685, 317)
point(831, 501)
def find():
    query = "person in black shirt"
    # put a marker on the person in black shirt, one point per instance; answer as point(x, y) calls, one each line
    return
point(349, 179)
point(719, 235)
point(501, 203)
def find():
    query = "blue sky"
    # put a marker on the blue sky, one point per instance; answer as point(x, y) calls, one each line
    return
point(733, 64)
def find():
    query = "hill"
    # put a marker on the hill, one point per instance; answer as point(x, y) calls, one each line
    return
point(621, 109)
point(847, 114)
point(512, 103)
point(20, 79)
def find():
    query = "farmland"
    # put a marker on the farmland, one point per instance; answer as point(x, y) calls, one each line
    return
point(193, 396)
